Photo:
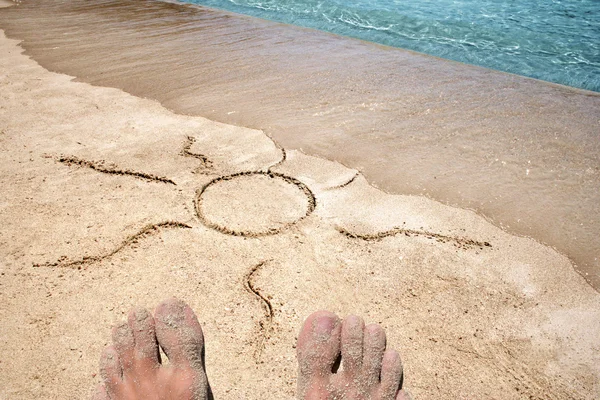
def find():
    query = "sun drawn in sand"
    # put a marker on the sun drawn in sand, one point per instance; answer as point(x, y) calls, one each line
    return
point(250, 203)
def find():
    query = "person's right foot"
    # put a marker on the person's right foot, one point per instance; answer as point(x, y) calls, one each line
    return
point(368, 370)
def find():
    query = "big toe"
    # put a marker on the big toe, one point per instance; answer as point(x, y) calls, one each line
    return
point(318, 350)
point(179, 334)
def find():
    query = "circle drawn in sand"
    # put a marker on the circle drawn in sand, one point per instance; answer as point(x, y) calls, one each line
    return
point(253, 203)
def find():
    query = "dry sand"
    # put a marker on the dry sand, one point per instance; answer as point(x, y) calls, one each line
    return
point(111, 201)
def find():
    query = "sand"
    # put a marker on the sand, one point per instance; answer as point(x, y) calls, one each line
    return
point(111, 201)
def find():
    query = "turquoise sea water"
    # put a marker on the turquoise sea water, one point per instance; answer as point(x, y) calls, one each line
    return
point(552, 40)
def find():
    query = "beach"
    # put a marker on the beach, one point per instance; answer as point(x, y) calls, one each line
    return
point(521, 152)
point(112, 200)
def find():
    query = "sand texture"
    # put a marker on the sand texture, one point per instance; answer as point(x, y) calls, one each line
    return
point(110, 201)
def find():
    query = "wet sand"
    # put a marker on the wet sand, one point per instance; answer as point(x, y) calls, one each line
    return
point(111, 201)
point(525, 154)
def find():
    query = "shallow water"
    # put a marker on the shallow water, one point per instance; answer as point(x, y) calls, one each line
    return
point(553, 40)
point(523, 153)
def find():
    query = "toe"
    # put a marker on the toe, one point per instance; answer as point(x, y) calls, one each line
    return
point(318, 349)
point(179, 334)
point(124, 344)
point(391, 375)
point(374, 347)
point(352, 344)
point(111, 371)
point(145, 351)
point(319, 343)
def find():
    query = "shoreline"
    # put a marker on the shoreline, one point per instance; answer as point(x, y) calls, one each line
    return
point(85, 241)
point(379, 45)
point(502, 155)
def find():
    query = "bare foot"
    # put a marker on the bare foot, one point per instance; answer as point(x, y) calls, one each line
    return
point(368, 370)
point(132, 369)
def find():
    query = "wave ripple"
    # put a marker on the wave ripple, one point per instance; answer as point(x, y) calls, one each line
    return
point(552, 40)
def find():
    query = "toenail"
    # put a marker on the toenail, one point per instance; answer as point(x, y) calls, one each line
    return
point(173, 320)
point(122, 335)
point(374, 329)
point(324, 326)
point(141, 315)
point(122, 329)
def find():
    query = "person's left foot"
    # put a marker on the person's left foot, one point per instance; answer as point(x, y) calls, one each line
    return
point(132, 368)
